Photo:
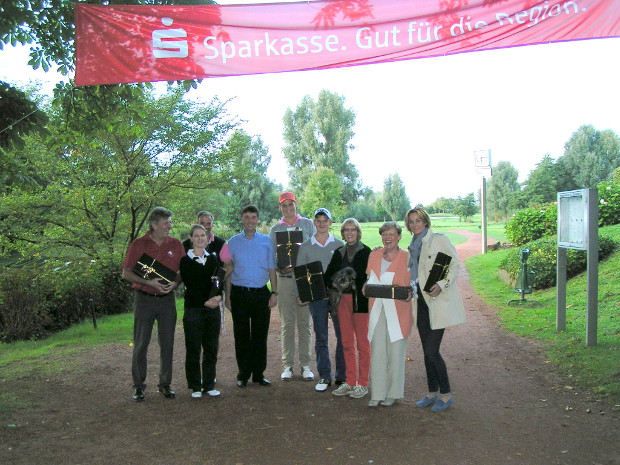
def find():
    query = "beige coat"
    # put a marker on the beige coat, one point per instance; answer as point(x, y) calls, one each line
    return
point(447, 308)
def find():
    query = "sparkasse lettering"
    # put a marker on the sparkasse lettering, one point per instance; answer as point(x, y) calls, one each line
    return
point(226, 51)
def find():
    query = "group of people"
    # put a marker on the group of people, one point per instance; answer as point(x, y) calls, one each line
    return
point(242, 274)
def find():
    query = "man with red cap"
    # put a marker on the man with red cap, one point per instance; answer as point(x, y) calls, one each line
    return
point(292, 315)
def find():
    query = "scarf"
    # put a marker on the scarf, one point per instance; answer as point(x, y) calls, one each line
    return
point(350, 250)
point(415, 247)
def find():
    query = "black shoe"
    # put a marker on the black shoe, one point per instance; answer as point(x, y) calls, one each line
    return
point(167, 392)
point(338, 382)
point(262, 382)
point(241, 383)
point(138, 395)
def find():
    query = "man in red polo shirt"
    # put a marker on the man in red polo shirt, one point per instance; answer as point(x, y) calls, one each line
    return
point(154, 300)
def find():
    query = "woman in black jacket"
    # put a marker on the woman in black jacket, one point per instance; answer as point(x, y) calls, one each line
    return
point(352, 308)
point(202, 318)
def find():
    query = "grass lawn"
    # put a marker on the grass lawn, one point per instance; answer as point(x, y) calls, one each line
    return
point(442, 224)
point(596, 368)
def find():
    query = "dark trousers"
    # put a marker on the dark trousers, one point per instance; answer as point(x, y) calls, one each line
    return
point(320, 311)
point(202, 333)
point(148, 309)
point(436, 371)
point(251, 314)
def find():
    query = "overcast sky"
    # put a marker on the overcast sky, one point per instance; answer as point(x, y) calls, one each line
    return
point(424, 118)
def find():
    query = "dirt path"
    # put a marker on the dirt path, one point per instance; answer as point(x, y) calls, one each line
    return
point(511, 408)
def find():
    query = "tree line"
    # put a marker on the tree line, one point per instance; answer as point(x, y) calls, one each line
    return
point(590, 157)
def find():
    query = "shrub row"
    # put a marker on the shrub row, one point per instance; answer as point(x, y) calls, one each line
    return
point(541, 221)
point(38, 301)
point(609, 203)
point(543, 260)
point(532, 223)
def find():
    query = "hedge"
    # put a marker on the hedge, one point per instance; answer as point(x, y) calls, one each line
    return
point(543, 260)
point(37, 301)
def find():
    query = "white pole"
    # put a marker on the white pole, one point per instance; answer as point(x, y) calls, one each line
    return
point(483, 210)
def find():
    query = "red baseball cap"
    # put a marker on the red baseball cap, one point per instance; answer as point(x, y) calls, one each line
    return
point(287, 196)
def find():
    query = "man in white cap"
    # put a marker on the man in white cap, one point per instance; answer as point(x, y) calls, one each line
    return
point(321, 247)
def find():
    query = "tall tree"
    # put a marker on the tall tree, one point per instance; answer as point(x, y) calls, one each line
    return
point(18, 117)
point(503, 189)
point(324, 189)
point(541, 186)
point(318, 134)
point(251, 185)
point(444, 205)
point(365, 209)
point(105, 171)
point(395, 200)
point(590, 156)
point(466, 207)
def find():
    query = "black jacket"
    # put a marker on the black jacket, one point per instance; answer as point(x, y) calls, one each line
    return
point(359, 264)
point(197, 280)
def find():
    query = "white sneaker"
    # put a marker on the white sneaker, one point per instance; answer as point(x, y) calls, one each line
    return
point(306, 373)
point(287, 374)
point(342, 390)
point(322, 385)
point(196, 395)
point(358, 392)
point(213, 393)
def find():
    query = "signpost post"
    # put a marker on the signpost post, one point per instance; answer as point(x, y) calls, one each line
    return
point(482, 162)
point(578, 229)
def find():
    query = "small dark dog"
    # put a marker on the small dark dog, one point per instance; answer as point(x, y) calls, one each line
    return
point(343, 281)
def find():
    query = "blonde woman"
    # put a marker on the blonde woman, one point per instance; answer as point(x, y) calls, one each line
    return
point(437, 309)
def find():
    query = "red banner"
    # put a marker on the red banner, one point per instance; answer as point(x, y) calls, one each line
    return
point(122, 43)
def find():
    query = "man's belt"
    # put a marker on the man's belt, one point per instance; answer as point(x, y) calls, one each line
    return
point(249, 289)
point(158, 296)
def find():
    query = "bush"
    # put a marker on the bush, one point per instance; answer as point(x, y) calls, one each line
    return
point(532, 223)
point(543, 260)
point(35, 302)
point(24, 306)
point(542, 221)
point(609, 204)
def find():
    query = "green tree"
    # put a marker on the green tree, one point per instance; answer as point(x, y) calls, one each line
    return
point(590, 156)
point(466, 207)
point(365, 209)
point(324, 189)
point(105, 171)
point(19, 116)
point(502, 190)
point(318, 134)
point(380, 210)
point(541, 186)
point(395, 200)
point(251, 185)
point(444, 205)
